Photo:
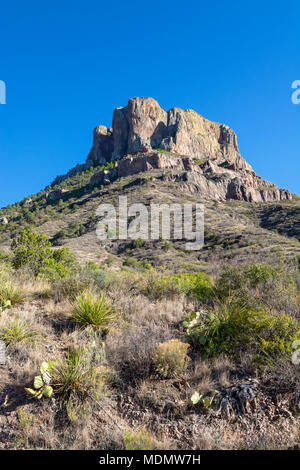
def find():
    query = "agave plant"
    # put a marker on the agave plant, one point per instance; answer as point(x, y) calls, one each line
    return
point(41, 383)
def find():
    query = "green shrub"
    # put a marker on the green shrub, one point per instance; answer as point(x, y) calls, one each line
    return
point(34, 250)
point(197, 285)
point(232, 329)
point(138, 243)
point(238, 280)
point(91, 308)
point(30, 248)
point(156, 286)
point(170, 359)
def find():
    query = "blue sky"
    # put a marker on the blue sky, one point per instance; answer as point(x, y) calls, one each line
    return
point(68, 64)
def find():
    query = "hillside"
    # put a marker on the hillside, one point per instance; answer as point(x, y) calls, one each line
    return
point(153, 346)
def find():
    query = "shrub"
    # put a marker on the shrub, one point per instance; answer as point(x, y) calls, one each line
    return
point(138, 243)
point(197, 285)
point(129, 349)
point(34, 250)
point(232, 328)
point(156, 286)
point(260, 286)
point(93, 309)
point(19, 331)
point(170, 359)
point(140, 440)
point(237, 281)
point(133, 263)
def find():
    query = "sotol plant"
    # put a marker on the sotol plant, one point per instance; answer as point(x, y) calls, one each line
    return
point(91, 308)
point(41, 383)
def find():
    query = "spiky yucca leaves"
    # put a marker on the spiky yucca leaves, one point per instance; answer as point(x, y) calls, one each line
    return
point(74, 376)
point(96, 310)
point(16, 330)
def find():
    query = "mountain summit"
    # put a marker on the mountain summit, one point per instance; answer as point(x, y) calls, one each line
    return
point(144, 136)
point(202, 154)
point(143, 125)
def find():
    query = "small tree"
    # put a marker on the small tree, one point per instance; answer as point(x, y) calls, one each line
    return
point(34, 250)
point(31, 248)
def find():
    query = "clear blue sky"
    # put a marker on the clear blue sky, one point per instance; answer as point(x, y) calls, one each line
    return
point(68, 64)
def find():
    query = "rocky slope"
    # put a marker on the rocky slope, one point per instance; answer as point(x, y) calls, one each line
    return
point(201, 153)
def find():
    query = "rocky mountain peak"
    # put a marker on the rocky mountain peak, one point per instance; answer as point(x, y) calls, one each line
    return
point(202, 154)
point(144, 126)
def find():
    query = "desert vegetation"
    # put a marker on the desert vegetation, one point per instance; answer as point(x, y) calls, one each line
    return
point(135, 356)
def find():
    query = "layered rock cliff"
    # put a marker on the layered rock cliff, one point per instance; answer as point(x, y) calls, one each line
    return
point(202, 154)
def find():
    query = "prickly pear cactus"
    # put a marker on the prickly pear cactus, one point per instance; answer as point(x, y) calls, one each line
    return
point(4, 305)
point(205, 402)
point(41, 383)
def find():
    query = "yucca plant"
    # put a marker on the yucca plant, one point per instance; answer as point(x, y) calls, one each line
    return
point(17, 330)
point(73, 375)
point(91, 308)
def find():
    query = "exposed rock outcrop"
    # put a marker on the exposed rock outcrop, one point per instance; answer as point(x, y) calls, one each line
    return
point(143, 125)
point(144, 137)
point(210, 180)
point(103, 146)
point(55, 195)
point(3, 220)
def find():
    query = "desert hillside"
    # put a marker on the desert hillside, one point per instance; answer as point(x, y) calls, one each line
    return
point(142, 344)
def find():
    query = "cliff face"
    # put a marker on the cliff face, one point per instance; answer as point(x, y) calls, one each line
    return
point(143, 125)
point(201, 154)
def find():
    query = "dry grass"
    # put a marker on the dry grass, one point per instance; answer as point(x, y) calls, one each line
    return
point(131, 397)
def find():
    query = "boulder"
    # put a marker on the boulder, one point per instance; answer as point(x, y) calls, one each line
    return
point(3, 220)
point(56, 194)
